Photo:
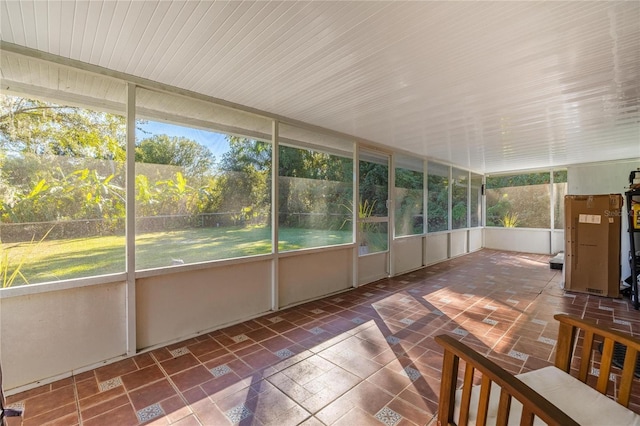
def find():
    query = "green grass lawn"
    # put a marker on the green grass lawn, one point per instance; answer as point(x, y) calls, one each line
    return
point(75, 258)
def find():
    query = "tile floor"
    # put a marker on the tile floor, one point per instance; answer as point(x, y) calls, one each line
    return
point(366, 356)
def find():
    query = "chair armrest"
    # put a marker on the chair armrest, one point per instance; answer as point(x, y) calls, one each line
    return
point(533, 404)
point(567, 335)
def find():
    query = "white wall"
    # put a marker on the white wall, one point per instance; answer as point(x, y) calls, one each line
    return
point(436, 248)
point(174, 306)
point(304, 276)
point(518, 239)
point(52, 333)
point(458, 243)
point(605, 178)
point(407, 254)
point(372, 267)
point(476, 236)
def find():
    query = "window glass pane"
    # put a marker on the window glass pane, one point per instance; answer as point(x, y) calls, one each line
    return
point(559, 191)
point(374, 193)
point(438, 197)
point(62, 188)
point(459, 196)
point(409, 197)
point(203, 179)
point(521, 201)
point(315, 194)
point(475, 203)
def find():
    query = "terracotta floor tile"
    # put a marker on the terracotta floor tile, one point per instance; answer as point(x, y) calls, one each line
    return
point(87, 388)
point(150, 394)
point(260, 334)
point(356, 416)
point(189, 378)
point(410, 412)
point(143, 360)
point(204, 347)
point(101, 397)
point(116, 369)
point(175, 408)
point(180, 363)
point(103, 407)
point(51, 414)
point(119, 416)
point(142, 377)
point(62, 383)
point(22, 396)
point(261, 359)
point(46, 402)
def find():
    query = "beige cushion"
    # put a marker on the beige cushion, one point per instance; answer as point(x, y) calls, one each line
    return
point(582, 403)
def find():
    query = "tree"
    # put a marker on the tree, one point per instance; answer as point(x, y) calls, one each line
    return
point(194, 159)
point(45, 128)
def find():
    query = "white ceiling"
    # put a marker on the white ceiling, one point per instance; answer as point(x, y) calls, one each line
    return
point(490, 86)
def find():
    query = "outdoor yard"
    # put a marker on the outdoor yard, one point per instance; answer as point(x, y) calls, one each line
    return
point(53, 260)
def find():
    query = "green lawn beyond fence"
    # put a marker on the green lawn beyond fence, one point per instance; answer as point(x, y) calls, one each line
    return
point(53, 260)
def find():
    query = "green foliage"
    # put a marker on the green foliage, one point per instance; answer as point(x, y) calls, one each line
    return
point(510, 220)
point(409, 202)
point(12, 271)
point(506, 181)
point(193, 159)
point(29, 125)
point(438, 203)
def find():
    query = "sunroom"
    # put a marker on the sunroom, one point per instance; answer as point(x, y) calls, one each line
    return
point(171, 170)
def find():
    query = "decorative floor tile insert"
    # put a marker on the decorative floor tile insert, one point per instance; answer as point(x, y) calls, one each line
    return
point(468, 295)
point(110, 384)
point(445, 300)
point(621, 322)
point(238, 414)
point(357, 320)
point(368, 294)
point(438, 286)
point(275, 319)
point(149, 413)
point(338, 300)
point(221, 370)
point(406, 300)
point(411, 373)
point(518, 355)
point(596, 372)
point(317, 311)
point(605, 308)
point(239, 338)
point(316, 330)
point(547, 340)
point(18, 406)
point(460, 332)
point(539, 321)
point(388, 417)
point(513, 302)
point(437, 312)
point(179, 351)
point(490, 321)
point(284, 353)
point(407, 321)
point(491, 307)
point(392, 340)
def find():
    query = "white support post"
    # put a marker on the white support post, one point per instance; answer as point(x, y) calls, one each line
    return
point(275, 166)
point(131, 221)
point(354, 212)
